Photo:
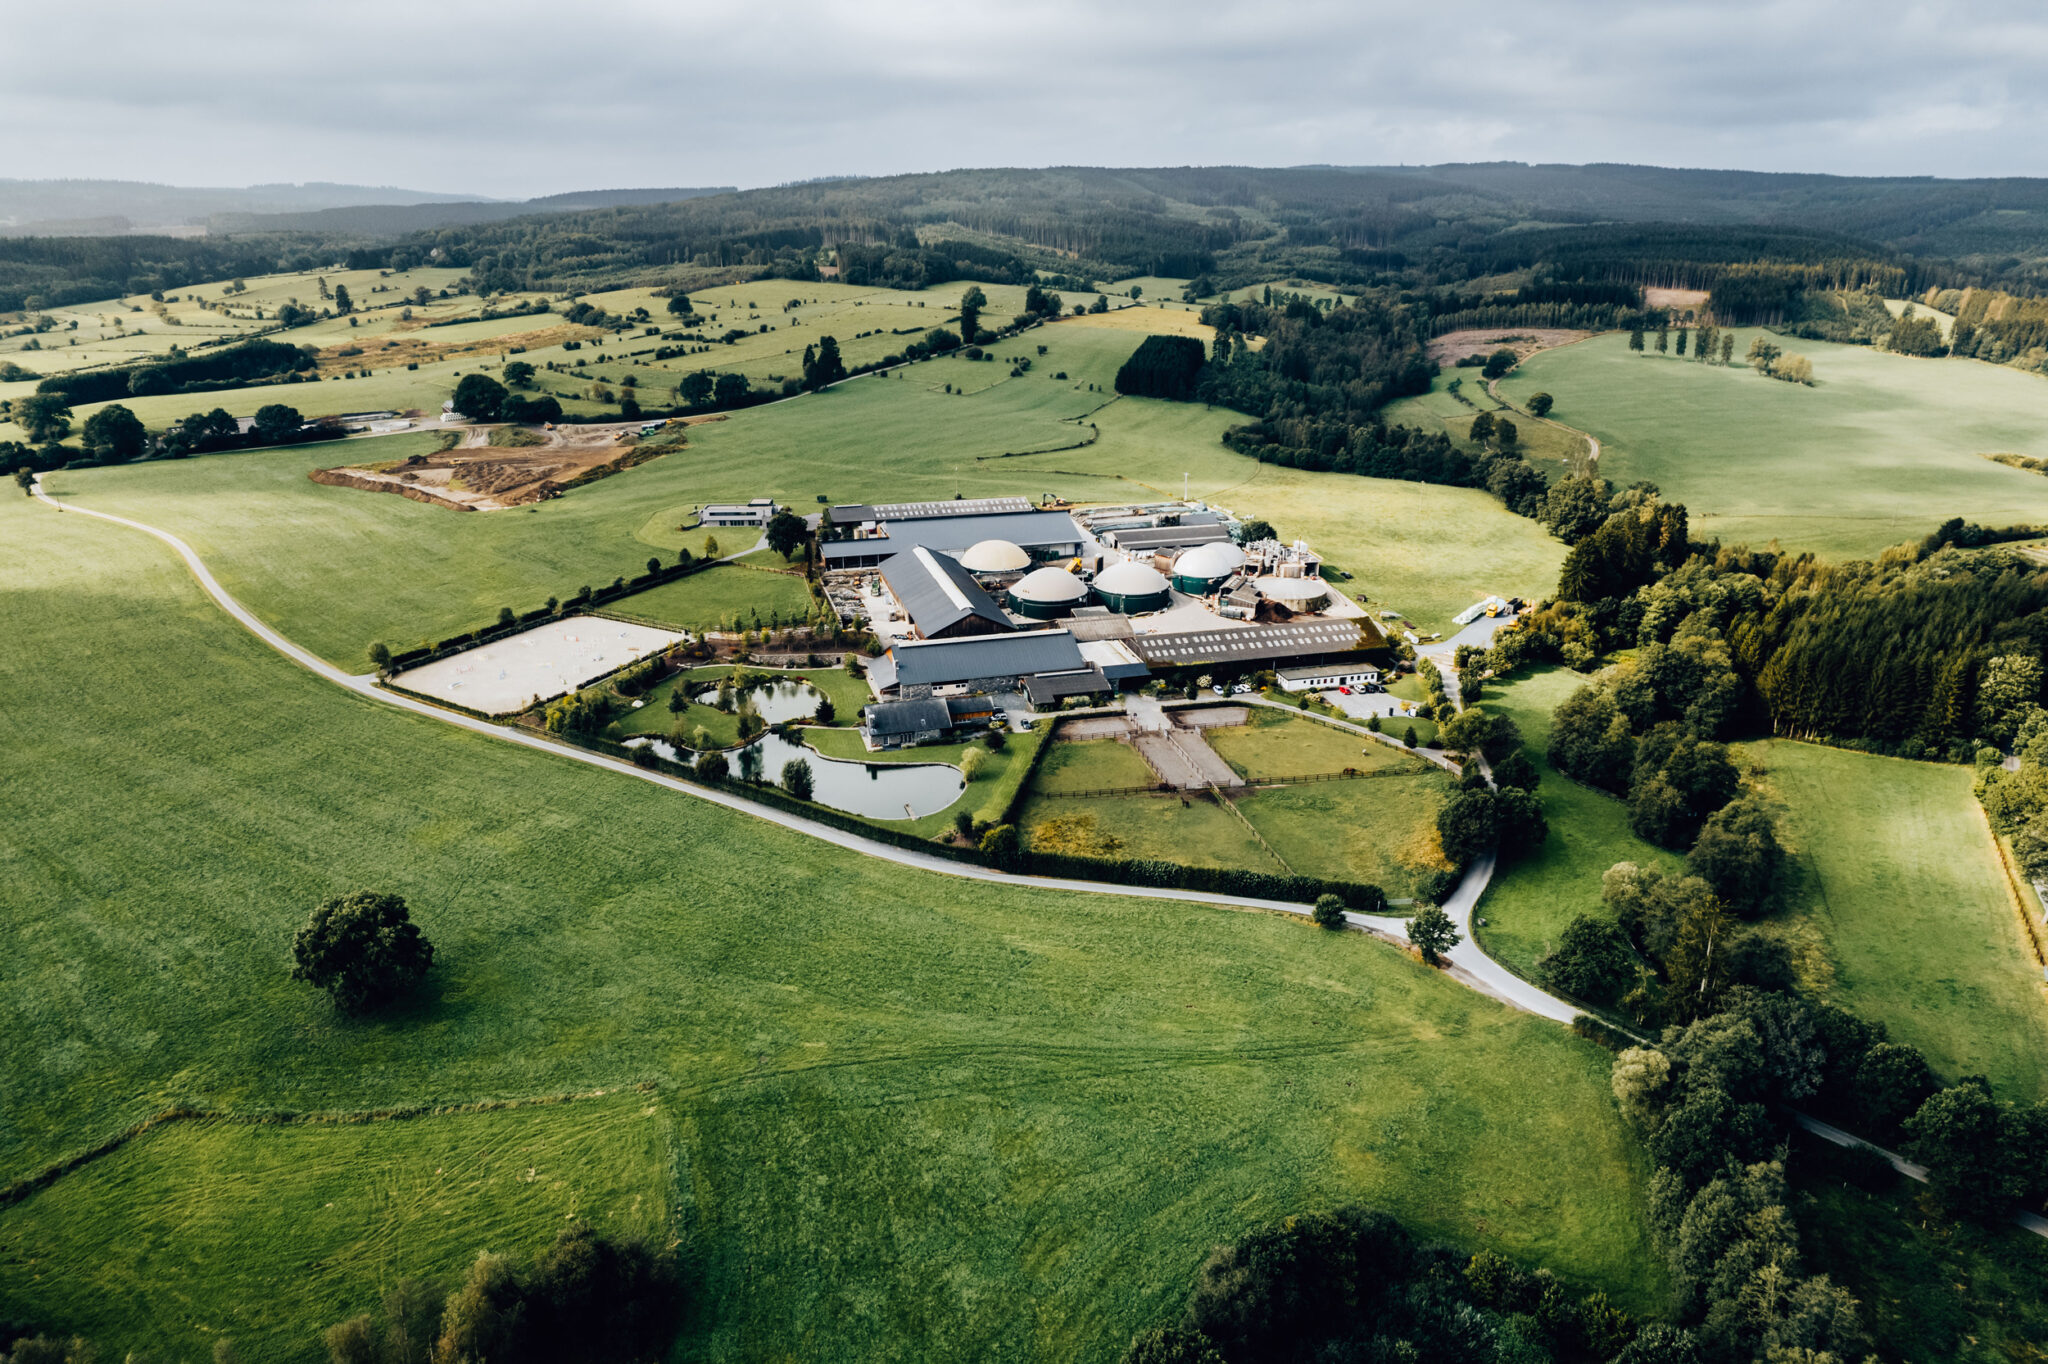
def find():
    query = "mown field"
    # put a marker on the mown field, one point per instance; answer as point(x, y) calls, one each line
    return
point(913, 1118)
point(336, 568)
point(729, 595)
point(1881, 450)
point(1900, 882)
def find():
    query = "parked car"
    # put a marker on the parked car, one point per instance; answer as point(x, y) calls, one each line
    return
point(1344, 691)
point(1240, 689)
point(1217, 690)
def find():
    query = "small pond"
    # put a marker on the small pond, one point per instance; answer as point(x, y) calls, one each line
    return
point(871, 790)
point(784, 698)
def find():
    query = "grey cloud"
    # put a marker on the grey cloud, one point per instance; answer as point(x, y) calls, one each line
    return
point(514, 99)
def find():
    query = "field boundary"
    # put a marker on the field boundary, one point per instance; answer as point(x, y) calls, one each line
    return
point(2013, 895)
point(18, 1190)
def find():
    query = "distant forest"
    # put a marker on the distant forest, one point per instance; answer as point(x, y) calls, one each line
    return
point(1477, 245)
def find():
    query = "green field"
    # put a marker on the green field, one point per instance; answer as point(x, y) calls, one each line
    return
point(203, 1230)
point(914, 1118)
point(1380, 831)
point(708, 600)
point(1528, 904)
point(1551, 448)
point(1195, 832)
point(1900, 882)
point(1881, 450)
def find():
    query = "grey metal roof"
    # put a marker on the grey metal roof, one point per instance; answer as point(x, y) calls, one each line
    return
point(1045, 687)
point(956, 533)
point(1167, 537)
point(1295, 639)
point(958, 506)
point(889, 718)
point(937, 592)
point(937, 662)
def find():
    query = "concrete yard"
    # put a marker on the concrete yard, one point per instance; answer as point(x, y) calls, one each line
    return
point(509, 674)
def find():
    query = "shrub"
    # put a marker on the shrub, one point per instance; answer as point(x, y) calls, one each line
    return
point(363, 949)
point(1329, 912)
point(1591, 961)
point(972, 762)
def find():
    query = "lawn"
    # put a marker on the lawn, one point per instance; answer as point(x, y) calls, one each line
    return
point(1880, 451)
point(1901, 885)
point(848, 695)
point(722, 597)
point(1529, 903)
point(1091, 765)
point(259, 1232)
point(1551, 448)
point(915, 1117)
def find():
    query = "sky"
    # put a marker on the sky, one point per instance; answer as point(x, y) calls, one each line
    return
point(510, 99)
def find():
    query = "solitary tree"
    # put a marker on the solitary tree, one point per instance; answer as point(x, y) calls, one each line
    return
point(971, 304)
point(1329, 912)
point(380, 656)
point(797, 779)
point(519, 374)
point(342, 302)
point(363, 949)
point(25, 479)
point(1482, 427)
point(786, 532)
point(1432, 932)
point(1540, 404)
point(826, 712)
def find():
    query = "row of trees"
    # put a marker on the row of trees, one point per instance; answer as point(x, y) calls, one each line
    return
point(115, 435)
point(1354, 1284)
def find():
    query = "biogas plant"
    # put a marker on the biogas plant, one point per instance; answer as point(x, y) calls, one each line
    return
point(1090, 600)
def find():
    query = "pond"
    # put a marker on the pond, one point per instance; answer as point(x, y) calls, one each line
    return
point(783, 698)
point(871, 790)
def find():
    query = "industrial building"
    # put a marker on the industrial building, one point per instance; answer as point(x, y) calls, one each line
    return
point(1259, 646)
point(981, 663)
point(1323, 676)
point(939, 597)
point(862, 535)
point(758, 513)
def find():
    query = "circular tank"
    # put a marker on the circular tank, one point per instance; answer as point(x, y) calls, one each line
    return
point(1198, 571)
point(995, 556)
point(1047, 593)
point(1132, 587)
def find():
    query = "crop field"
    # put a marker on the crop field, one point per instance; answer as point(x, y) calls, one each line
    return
point(200, 1230)
point(1529, 903)
point(337, 568)
point(1900, 883)
point(1881, 450)
point(912, 1118)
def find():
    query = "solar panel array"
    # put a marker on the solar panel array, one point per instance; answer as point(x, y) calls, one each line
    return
point(1262, 641)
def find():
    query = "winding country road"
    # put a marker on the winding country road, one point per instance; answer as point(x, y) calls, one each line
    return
point(1466, 964)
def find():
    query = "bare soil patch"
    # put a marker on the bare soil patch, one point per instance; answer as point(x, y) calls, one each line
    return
point(1523, 341)
point(479, 476)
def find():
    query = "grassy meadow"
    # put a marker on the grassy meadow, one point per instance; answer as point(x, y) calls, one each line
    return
point(197, 1231)
point(1528, 904)
point(718, 596)
point(1881, 450)
point(1901, 885)
point(912, 1118)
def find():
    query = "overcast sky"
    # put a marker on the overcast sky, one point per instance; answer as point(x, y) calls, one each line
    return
point(515, 99)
